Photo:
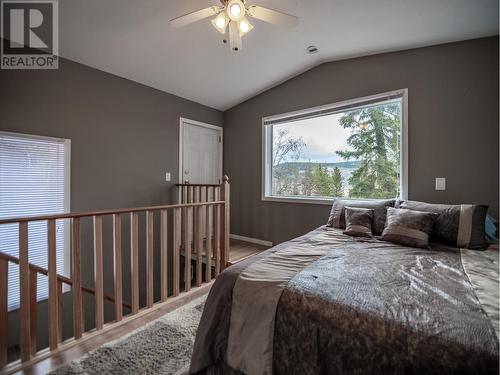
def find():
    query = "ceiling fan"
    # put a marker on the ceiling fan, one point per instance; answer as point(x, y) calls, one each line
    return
point(232, 16)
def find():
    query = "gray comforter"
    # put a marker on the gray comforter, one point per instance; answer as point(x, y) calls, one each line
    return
point(357, 307)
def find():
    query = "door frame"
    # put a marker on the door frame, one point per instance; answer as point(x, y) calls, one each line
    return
point(182, 122)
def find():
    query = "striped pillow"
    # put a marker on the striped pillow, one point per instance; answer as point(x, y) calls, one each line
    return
point(408, 227)
point(358, 222)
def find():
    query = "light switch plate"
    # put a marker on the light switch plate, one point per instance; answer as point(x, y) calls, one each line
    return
point(167, 177)
point(440, 183)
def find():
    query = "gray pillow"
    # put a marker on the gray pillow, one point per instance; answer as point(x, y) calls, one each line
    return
point(379, 207)
point(408, 227)
point(460, 225)
point(358, 222)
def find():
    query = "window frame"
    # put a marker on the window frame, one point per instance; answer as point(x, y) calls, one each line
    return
point(266, 172)
point(67, 197)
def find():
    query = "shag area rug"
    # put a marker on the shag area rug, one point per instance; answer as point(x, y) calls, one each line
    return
point(163, 346)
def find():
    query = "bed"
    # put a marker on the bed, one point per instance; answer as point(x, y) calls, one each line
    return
point(328, 303)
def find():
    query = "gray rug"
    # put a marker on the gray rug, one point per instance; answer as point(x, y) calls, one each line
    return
point(163, 346)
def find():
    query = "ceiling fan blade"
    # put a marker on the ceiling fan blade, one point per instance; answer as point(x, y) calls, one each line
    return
point(272, 16)
point(194, 16)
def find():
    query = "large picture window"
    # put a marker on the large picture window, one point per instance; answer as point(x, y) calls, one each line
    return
point(34, 180)
point(353, 149)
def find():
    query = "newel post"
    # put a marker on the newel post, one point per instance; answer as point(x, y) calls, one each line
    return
point(224, 190)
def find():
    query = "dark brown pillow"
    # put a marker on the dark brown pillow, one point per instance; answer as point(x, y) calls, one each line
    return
point(408, 227)
point(459, 225)
point(379, 206)
point(358, 222)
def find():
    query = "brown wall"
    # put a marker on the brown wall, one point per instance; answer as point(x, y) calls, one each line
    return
point(453, 129)
point(124, 137)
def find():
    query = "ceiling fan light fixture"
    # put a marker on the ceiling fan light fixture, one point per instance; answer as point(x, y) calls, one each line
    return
point(232, 17)
point(220, 22)
point(235, 10)
point(244, 26)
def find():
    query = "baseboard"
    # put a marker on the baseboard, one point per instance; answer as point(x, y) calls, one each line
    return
point(251, 240)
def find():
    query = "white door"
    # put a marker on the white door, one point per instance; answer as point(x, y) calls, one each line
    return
point(201, 153)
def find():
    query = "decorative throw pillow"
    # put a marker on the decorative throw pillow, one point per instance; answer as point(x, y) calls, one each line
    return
point(358, 222)
point(461, 225)
point(408, 227)
point(379, 207)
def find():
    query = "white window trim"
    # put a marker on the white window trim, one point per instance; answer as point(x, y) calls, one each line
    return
point(267, 147)
point(67, 194)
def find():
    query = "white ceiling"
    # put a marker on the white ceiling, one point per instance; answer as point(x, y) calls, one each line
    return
point(133, 39)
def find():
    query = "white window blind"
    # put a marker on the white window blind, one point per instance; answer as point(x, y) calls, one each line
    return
point(34, 180)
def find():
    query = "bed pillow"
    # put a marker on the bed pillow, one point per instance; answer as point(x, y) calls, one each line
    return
point(358, 222)
point(408, 227)
point(379, 207)
point(461, 225)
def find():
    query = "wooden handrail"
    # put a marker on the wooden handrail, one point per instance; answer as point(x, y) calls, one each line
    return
point(200, 185)
point(63, 279)
point(103, 212)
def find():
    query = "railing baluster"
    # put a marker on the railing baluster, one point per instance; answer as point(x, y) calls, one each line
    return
point(83, 313)
point(176, 252)
point(196, 238)
point(117, 255)
point(183, 216)
point(98, 273)
point(187, 249)
point(225, 246)
point(134, 245)
point(24, 310)
point(209, 217)
point(53, 305)
point(216, 243)
point(203, 198)
point(4, 317)
point(33, 308)
point(149, 258)
point(184, 194)
point(4, 287)
point(76, 288)
point(60, 307)
point(217, 240)
point(199, 243)
point(164, 256)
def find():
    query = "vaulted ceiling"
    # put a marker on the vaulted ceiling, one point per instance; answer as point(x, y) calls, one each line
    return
point(133, 39)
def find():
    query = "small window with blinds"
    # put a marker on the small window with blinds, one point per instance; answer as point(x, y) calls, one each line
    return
point(356, 149)
point(34, 180)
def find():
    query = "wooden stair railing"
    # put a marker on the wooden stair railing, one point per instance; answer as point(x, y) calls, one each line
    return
point(200, 230)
